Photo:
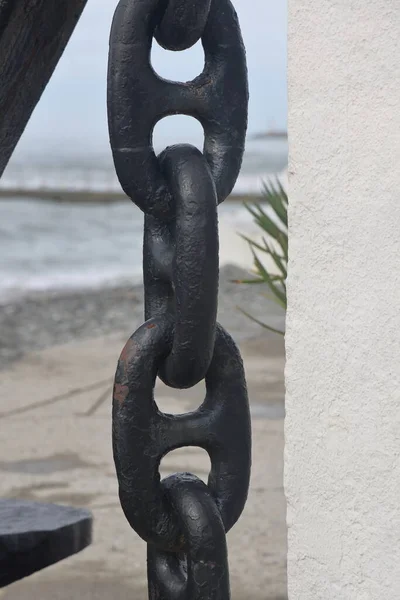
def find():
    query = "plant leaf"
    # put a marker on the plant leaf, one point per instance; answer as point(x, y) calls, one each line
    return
point(271, 217)
point(280, 296)
point(264, 325)
point(275, 196)
point(253, 243)
point(264, 221)
point(247, 281)
point(277, 259)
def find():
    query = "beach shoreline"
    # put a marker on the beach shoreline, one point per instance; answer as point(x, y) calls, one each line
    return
point(92, 197)
point(41, 319)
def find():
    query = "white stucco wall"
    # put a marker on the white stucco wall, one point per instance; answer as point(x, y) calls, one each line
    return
point(342, 464)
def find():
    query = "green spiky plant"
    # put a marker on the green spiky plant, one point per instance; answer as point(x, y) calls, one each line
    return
point(271, 217)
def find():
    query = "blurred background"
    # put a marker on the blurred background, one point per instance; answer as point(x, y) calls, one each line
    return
point(64, 155)
point(71, 294)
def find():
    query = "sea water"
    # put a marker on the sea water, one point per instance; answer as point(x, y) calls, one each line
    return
point(46, 245)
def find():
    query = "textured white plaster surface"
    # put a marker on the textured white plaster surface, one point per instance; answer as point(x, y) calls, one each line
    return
point(342, 465)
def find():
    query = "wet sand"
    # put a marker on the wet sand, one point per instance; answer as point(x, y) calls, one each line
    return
point(85, 197)
point(43, 319)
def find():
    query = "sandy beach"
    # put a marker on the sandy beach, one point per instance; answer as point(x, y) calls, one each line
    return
point(71, 253)
point(58, 354)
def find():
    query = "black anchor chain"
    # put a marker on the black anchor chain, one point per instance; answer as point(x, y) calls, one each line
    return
point(183, 521)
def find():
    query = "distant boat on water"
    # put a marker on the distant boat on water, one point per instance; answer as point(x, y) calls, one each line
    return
point(278, 134)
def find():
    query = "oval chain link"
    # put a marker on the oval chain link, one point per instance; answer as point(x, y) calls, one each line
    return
point(138, 98)
point(202, 573)
point(183, 521)
point(142, 435)
point(182, 24)
point(188, 247)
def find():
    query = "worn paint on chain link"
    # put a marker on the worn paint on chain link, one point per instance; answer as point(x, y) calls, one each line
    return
point(183, 521)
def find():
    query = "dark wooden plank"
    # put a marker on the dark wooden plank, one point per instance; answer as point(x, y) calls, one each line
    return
point(33, 36)
point(34, 536)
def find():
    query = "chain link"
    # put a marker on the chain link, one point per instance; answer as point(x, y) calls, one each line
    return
point(182, 24)
point(138, 99)
point(183, 521)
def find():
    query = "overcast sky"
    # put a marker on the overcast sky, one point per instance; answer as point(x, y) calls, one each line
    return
point(72, 111)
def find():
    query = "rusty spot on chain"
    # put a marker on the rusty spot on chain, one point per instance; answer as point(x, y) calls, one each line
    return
point(120, 393)
point(151, 326)
point(128, 352)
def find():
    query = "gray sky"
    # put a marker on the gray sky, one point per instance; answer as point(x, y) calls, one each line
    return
point(71, 115)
